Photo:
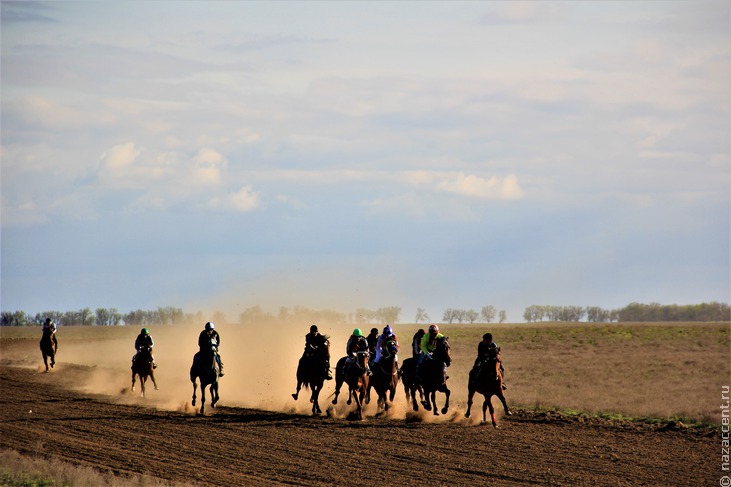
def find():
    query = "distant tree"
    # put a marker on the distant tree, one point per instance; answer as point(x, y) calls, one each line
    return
point(449, 315)
point(421, 315)
point(502, 316)
point(471, 315)
point(219, 317)
point(14, 318)
point(106, 317)
point(488, 313)
point(388, 314)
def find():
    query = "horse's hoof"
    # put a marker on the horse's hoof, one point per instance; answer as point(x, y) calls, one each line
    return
point(445, 410)
point(335, 401)
point(494, 425)
point(294, 396)
point(466, 415)
point(508, 413)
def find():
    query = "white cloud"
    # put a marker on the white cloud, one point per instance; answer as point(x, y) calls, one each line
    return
point(120, 156)
point(242, 200)
point(479, 187)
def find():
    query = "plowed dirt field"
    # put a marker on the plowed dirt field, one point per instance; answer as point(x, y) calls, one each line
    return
point(41, 415)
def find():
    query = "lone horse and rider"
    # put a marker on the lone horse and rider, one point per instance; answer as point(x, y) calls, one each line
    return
point(49, 343)
point(486, 377)
point(314, 366)
point(207, 365)
point(143, 363)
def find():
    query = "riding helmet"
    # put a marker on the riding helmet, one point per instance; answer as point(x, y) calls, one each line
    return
point(433, 329)
point(313, 328)
point(487, 336)
point(210, 326)
point(357, 333)
point(145, 332)
point(387, 330)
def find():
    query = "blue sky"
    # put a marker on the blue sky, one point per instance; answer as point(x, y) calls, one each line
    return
point(365, 154)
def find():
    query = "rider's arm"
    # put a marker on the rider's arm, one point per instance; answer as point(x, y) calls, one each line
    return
point(424, 342)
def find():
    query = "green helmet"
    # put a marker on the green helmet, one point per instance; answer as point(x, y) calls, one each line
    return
point(357, 333)
point(145, 332)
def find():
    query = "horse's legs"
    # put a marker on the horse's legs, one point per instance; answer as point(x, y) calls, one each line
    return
point(316, 399)
point(142, 386)
point(152, 376)
point(214, 394)
point(195, 388)
point(427, 401)
point(488, 403)
point(133, 380)
point(470, 396)
point(447, 392)
point(203, 397)
point(45, 360)
point(297, 392)
point(505, 403)
point(338, 385)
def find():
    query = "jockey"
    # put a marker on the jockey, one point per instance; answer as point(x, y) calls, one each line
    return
point(485, 349)
point(383, 339)
point(356, 343)
point(416, 343)
point(208, 342)
point(428, 345)
point(49, 326)
point(143, 341)
point(372, 340)
point(313, 341)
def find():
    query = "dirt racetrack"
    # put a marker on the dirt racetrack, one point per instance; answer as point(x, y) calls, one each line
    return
point(43, 416)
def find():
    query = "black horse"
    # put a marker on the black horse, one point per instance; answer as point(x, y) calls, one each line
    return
point(408, 374)
point(142, 367)
point(49, 345)
point(434, 376)
point(312, 371)
point(488, 381)
point(204, 369)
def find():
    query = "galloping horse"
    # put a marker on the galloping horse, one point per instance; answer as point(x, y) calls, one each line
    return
point(408, 371)
point(311, 373)
point(488, 381)
point(355, 374)
point(142, 367)
point(49, 345)
point(385, 376)
point(434, 376)
point(204, 369)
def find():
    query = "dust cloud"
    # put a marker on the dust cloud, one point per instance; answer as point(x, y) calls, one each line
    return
point(260, 364)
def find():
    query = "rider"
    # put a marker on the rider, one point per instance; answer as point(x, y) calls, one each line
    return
point(485, 349)
point(356, 343)
point(49, 333)
point(209, 341)
point(372, 340)
point(313, 341)
point(428, 345)
point(416, 343)
point(142, 342)
point(383, 339)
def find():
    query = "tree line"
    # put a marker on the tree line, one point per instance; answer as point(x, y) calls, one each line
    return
point(652, 312)
point(255, 315)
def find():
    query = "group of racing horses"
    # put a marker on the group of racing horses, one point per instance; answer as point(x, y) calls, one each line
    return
point(312, 372)
point(485, 379)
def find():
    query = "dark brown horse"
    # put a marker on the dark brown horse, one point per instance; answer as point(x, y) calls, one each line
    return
point(311, 373)
point(204, 369)
point(49, 345)
point(434, 376)
point(142, 367)
point(355, 374)
point(408, 373)
point(385, 377)
point(488, 381)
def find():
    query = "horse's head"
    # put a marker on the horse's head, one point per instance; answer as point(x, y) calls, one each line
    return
point(391, 347)
point(443, 350)
point(362, 358)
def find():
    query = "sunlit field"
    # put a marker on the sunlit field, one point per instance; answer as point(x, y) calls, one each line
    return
point(658, 370)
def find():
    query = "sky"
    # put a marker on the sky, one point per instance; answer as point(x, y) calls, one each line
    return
point(348, 155)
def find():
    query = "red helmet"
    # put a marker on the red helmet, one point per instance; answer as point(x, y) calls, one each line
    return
point(433, 329)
